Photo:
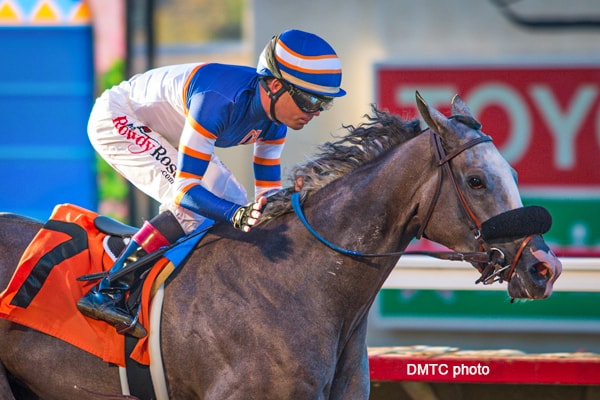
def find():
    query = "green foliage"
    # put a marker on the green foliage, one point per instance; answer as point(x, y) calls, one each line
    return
point(111, 185)
point(113, 76)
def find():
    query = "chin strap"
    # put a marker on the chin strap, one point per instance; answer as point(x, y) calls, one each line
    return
point(273, 97)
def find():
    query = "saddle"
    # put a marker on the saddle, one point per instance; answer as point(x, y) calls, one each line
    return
point(113, 227)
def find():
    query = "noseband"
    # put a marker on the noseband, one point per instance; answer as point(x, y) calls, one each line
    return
point(490, 263)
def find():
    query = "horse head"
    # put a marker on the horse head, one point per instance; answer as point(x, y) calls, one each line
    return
point(473, 173)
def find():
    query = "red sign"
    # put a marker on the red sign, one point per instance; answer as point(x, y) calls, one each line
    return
point(544, 119)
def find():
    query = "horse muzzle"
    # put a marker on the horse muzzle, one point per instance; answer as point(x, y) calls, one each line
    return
point(536, 271)
point(529, 266)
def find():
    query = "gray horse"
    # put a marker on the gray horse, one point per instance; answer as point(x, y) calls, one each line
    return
point(275, 313)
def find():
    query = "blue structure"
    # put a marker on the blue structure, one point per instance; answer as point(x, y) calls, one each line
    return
point(46, 94)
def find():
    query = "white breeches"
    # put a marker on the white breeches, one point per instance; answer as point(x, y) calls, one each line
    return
point(146, 159)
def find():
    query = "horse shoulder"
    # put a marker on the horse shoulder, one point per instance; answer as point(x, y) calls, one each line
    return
point(253, 290)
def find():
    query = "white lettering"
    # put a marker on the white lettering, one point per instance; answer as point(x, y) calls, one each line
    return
point(564, 125)
point(470, 370)
point(426, 369)
point(423, 369)
point(510, 100)
point(564, 122)
point(443, 369)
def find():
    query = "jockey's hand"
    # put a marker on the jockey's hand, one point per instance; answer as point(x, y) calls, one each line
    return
point(247, 216)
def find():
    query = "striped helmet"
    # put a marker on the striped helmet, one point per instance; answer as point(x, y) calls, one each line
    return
point(304, 60)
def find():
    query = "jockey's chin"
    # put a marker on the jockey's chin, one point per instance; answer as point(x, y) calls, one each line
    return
point(300, 121)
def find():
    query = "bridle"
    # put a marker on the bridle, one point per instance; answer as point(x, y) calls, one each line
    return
point(490, 263)
point(491, 271)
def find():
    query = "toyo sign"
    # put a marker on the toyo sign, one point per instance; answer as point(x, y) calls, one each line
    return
point(545, 119)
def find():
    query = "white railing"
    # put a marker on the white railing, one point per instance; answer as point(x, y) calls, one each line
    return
point(420, 272)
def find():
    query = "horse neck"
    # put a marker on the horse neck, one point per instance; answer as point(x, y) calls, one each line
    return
point(373, 208)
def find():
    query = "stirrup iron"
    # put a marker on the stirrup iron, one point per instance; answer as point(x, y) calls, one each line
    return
point(124, 328)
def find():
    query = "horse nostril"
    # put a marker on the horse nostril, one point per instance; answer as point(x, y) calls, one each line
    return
point(541, 271)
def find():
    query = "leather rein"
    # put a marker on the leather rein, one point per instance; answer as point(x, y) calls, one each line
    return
point(491, 264)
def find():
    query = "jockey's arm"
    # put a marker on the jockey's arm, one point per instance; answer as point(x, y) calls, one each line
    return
point(195, 151)
point(199, 200)
point(267, 166)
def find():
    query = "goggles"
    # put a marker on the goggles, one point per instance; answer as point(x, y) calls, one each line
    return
point(307, 102)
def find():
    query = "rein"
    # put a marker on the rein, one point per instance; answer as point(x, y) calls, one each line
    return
point(477, 257)
point(489, 264)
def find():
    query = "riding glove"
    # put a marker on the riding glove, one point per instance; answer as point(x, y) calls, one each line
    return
point(246, 217)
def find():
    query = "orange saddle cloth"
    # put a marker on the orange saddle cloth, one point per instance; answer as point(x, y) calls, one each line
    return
point(44, 290)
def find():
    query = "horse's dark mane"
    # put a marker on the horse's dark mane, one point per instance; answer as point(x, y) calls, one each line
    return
point(363, 143)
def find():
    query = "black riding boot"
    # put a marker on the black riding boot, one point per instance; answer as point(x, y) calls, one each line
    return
point(106, 301)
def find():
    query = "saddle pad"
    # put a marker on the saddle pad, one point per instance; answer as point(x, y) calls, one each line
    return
point(44, 290)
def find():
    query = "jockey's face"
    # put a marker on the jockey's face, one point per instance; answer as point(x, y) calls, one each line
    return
point(286, 110)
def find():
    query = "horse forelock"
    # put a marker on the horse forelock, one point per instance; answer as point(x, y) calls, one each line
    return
point(381, 132)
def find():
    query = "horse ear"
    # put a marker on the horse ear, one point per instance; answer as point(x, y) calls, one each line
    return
point(459, 107)
point(433, 118)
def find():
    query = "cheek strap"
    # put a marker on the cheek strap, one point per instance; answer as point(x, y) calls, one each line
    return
point(273, 97)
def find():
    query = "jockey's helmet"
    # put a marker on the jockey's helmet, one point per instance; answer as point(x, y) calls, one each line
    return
point(305, 61)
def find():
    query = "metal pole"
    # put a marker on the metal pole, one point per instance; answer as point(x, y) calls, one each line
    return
point(141, 207)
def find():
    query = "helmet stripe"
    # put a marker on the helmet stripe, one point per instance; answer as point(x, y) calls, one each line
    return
point(329, 63)
point(309, 85)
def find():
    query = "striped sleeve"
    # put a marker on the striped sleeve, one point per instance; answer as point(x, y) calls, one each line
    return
point(267, 165)
point(199, 200)
point(196, 147)
point(195, 151)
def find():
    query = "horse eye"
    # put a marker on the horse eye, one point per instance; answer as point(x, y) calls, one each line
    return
point(475, 182)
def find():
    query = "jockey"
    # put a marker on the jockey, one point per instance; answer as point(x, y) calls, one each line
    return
point(159, 130)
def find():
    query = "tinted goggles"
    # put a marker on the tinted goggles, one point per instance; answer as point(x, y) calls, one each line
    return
point(307, 102)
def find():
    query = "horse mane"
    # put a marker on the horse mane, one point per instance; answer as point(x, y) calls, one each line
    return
point(381, 132)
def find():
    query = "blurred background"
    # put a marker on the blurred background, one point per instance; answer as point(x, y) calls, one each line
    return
point(529, 69)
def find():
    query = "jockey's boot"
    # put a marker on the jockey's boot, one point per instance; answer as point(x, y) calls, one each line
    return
point(106, 301)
